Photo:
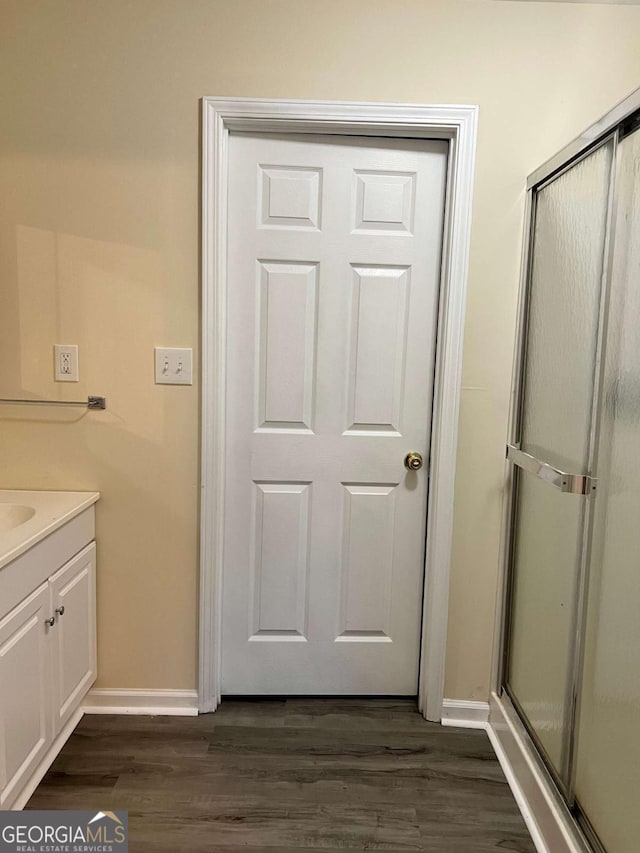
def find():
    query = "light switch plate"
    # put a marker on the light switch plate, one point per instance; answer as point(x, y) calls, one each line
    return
point(174, 365)
point(65, 362)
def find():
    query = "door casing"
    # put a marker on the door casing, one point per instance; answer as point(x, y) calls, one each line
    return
point(458, 124)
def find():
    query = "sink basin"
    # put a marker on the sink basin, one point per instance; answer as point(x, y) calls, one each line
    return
point(28, 517)
point(13, 515)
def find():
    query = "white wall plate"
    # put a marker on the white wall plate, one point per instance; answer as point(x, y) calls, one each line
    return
point(174, 365)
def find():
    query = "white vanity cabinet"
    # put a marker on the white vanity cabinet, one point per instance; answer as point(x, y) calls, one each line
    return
point(25, 703)
point(47, 651)
point(73, 636)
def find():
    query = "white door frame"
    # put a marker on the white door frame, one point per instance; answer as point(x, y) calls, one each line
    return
point(458, 124)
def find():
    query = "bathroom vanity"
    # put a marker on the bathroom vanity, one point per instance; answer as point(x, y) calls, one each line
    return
point(47, 630)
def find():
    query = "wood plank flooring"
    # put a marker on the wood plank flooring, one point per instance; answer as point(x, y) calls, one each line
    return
point(291, 775)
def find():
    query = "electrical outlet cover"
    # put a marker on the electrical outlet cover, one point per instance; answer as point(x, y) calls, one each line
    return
point(65, 363)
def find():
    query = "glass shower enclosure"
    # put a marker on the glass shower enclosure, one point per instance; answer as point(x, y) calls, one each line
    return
point(571, 648)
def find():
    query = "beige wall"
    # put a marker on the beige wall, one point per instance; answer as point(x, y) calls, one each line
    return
point(99, 196)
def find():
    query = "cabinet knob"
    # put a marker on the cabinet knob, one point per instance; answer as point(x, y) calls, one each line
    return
point(60, 610)
point(51, 621)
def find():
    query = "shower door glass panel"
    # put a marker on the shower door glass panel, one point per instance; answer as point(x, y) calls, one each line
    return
point(567, 260)
point(608, 756)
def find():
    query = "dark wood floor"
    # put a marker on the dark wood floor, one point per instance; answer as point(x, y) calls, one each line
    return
point(294, 775)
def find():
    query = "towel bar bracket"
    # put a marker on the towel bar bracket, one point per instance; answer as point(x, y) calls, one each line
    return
point(92, 402)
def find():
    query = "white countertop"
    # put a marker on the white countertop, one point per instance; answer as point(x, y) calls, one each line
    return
point(51, 511)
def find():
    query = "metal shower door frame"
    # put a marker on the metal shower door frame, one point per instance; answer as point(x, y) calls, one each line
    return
point(608, 130)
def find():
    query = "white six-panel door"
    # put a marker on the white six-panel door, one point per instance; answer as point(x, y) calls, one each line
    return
point(334, 262)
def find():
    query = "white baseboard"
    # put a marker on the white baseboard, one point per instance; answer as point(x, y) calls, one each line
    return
point(173, 703)
point(25, 794)
point(464, 714)
point(518, 793)
point(552, 828)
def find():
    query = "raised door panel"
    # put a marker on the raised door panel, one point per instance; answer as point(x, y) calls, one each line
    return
point(286, 345)
point(289, 197)
point(280, 562)
point(384, 202)
point(367, 563)
point(73, 603)
point(378, 347)
point(25, 696)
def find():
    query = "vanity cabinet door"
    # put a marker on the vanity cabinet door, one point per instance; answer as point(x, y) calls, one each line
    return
point(73, 601)
point(25, 692)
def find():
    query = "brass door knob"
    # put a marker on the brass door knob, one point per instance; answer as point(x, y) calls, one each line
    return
point(413, 461)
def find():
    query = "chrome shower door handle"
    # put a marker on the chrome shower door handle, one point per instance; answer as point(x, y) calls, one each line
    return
point(575, 484)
